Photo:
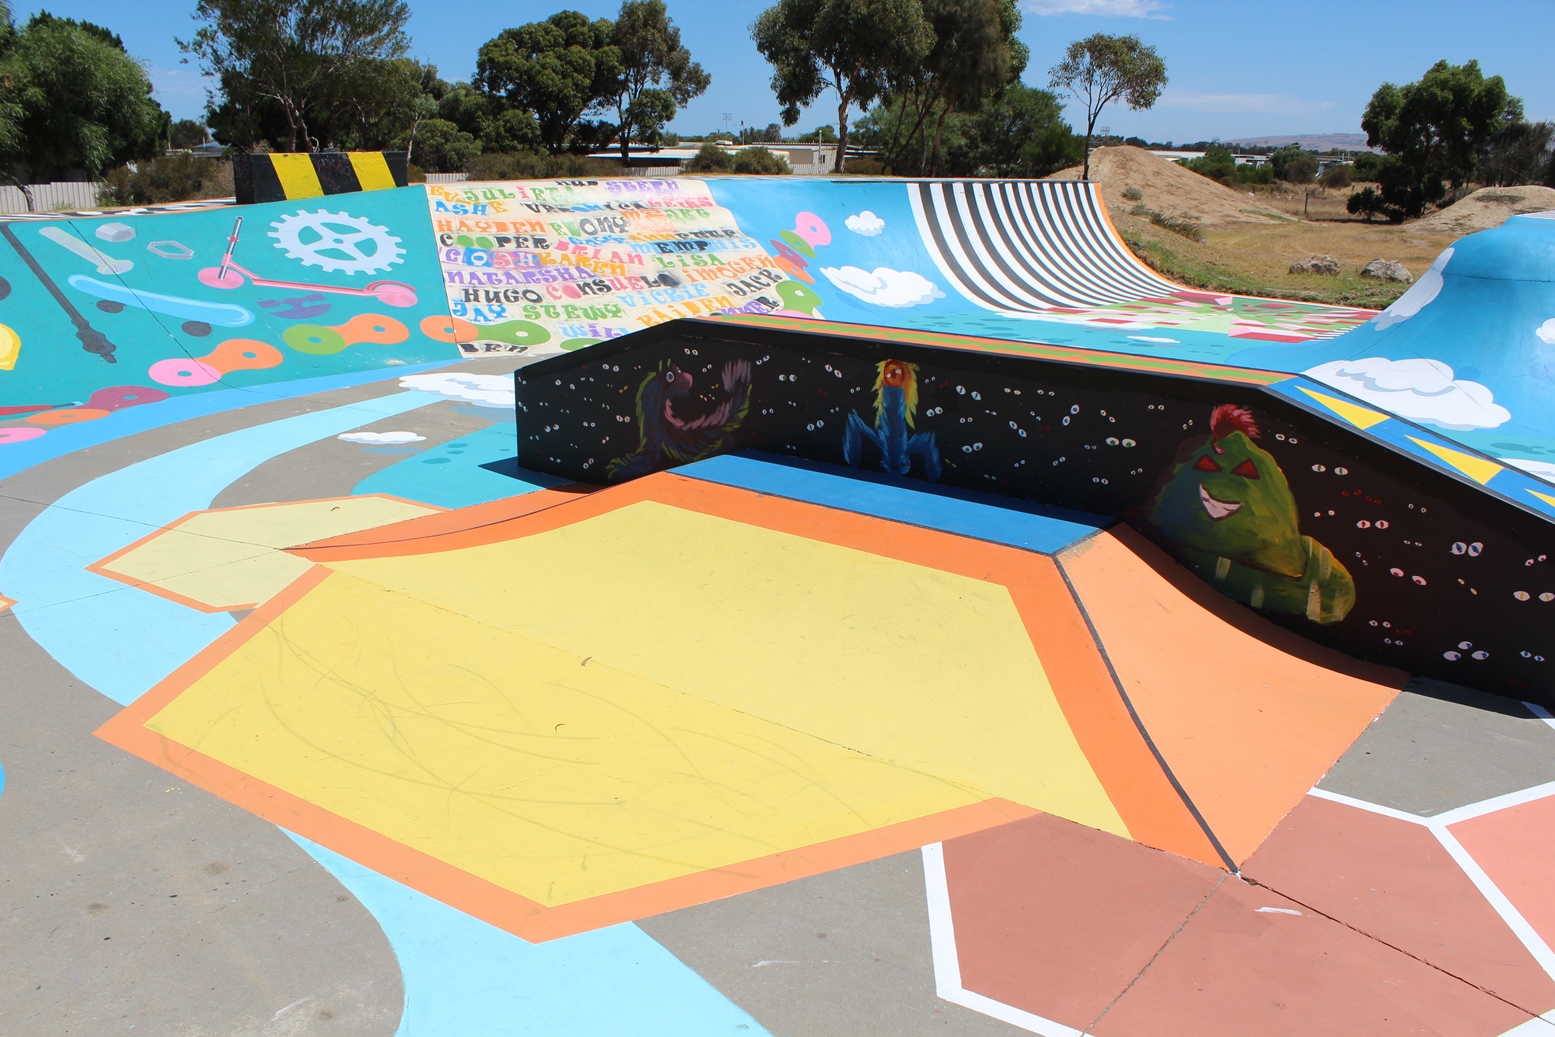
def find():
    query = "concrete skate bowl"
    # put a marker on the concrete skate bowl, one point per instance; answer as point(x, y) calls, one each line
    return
point(567, 705)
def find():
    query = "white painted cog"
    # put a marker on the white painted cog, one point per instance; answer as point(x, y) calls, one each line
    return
point(337, 242)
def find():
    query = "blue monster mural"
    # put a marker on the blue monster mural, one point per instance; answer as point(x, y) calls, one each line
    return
point(896, 406)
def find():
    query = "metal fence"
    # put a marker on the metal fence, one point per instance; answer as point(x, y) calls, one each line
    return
point(48, 197)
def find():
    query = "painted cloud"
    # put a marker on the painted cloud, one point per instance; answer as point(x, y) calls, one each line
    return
point(1420, 293)
point(884, 286)
point(381, 438)
point(1417, 389)
point(865, 223)
point(1543, 469)
point(483, 390)
point(1546, 332)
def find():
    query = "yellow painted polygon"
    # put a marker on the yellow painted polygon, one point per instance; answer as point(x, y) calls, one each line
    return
point(232, 559)
point(1476, 468)
point(556, 776)
point(923, 668)
point(1354, 413)
point(10, 348)
point(372, 170)
point(298, 177)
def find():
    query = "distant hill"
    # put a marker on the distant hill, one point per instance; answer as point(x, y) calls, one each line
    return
point(1311, 141)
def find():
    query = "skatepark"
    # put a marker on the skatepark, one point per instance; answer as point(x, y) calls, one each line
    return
point(765, 606)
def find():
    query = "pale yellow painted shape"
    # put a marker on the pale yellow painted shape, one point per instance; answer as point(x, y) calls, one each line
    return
point(10, 348)
point(1354, 413)
point(231, 558)
point(556, 777)
point(1545, 497)
point(1476, 468)
point(916, 666)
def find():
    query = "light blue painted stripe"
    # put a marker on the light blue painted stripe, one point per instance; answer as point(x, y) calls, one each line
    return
point(465, 977)
point(67, 439)
point(116, 638)
point(1016, 523)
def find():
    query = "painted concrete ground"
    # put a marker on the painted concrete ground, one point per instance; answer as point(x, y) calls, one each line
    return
point(320, 716)
point(921, 763)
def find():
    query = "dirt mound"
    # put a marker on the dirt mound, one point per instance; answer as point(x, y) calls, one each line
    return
point(1488, 207)
point(1167, 188)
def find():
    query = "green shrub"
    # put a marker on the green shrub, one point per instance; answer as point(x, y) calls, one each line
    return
point(1368, 202)
point(1368, 165)
point(1187, 226)
point(1133, 193)
point(539, 165)
point(1338, 176)
point(1250, 174)
point(177, 178)
point(760, 162)
point(710, 158)
point(865, 167)
point(442, 147)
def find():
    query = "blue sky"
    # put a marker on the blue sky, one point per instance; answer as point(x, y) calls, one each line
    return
point(1237, 69)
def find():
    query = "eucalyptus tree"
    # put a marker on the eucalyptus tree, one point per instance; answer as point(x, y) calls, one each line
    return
point(855, 47)
point(1101, 69)
point(310, 59)
point(657, 75)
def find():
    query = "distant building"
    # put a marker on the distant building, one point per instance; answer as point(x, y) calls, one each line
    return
point(803, 159)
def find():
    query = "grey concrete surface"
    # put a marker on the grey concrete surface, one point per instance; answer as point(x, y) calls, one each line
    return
point(133, 903)
point(330, 468)
point(1440, 746)
point(845, 954)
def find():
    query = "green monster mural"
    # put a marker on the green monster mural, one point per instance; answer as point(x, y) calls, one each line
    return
point(1226, 511)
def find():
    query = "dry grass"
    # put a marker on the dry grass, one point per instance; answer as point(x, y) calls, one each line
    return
point(1254, 259)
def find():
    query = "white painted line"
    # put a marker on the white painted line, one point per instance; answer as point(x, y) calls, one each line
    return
point(947, 962)
point(1541, 1026)
point(1509, 914)
point(1361, 804)
point(1540, 712)
point(942, 931)
point(1278, 911)
point(1490, 806)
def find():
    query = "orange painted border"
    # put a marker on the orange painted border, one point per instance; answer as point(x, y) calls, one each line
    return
point(6, 602)
point(458, 888)
point(1143, 796)
point(100, 567)
point(1106, 735)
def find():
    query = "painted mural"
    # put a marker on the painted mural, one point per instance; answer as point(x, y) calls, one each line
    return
point(545, 267)
point(673, 429)
point(891, 435)
point(1318, 528)
point(1227, 512)
point(100, 316)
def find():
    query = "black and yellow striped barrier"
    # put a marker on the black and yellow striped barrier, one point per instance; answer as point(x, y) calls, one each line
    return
point(288, 177)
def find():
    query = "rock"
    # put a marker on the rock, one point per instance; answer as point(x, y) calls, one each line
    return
point(1316, 265)
point(1387, 270)
point(115, 232)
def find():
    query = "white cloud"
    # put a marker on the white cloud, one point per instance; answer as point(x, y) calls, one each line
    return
point(884, 286)
point(1154, 340)
point(1271, 104)
point(1543, 469)
point(1418, 389)
point(381, 438)
point(483, 390)
point(1422, 292)
point(1098, 8)
point(865, 223)
point(1546, 332)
